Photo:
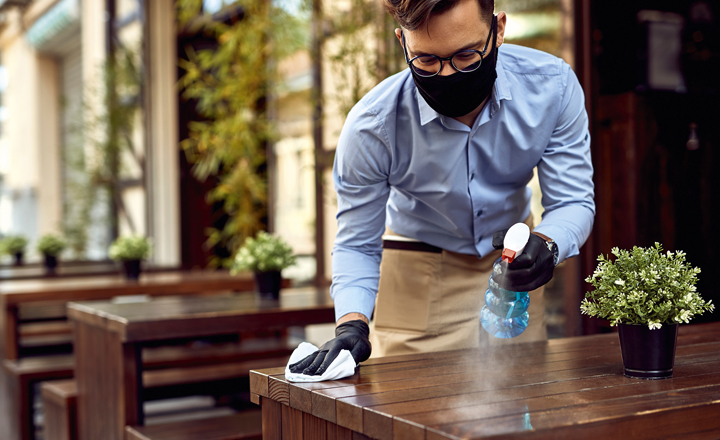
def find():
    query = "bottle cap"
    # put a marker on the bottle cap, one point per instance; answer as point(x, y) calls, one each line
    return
point(515, 240)
point(508, 255)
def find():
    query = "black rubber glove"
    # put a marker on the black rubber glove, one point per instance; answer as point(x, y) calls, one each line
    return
point(529, 270)
point(350, 335)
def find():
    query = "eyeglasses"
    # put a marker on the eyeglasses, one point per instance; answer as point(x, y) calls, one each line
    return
point(464, 61)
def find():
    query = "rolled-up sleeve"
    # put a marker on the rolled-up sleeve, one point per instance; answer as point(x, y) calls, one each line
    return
point(360, 177)
point(565, 173)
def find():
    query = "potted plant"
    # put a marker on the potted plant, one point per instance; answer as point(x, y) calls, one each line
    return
point(266, 255)
point(646, 293)
point(14, 245)
point(130, 250)
point(51, 246)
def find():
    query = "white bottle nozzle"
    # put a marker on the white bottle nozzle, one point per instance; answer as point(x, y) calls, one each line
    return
point(515, 240)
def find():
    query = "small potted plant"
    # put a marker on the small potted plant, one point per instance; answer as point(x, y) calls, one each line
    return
point(14, 245)
point(266, 255)
point(130, 250)
point(646, 293)
point(51, 246)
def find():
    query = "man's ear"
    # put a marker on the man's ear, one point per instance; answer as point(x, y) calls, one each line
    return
point(398, 34)
point(501, 20)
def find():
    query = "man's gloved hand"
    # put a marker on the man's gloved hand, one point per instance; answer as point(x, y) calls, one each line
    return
point(531, 269)
point(350, 335)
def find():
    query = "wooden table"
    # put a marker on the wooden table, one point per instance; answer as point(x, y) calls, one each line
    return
point(14, 294)
point(560, 389)
point(109, 338)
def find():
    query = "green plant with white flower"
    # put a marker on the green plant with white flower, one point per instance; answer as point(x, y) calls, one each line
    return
point(129, 248)
point(263, 253)
point(51, 245)
point(644, 286)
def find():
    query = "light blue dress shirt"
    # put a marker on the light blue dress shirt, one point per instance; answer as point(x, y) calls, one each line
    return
point(429, 177)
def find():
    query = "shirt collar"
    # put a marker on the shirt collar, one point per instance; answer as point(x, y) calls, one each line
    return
point(501, 91)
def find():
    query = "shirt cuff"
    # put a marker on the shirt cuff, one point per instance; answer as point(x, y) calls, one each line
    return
point(566, 247)
point(353, 300)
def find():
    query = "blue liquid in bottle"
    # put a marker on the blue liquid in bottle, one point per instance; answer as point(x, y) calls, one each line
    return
point(504, 314)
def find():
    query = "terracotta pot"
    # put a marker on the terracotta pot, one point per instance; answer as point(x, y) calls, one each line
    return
point(648, 354)
point(267, 284)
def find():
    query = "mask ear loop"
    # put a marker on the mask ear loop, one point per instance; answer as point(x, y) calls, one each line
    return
point(493, 30)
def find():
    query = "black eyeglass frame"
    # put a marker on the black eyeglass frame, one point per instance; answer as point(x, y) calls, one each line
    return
point(450, 58)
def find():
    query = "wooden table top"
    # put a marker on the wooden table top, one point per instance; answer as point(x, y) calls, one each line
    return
point(562, 388)
point(106, 286)
point(177, 317)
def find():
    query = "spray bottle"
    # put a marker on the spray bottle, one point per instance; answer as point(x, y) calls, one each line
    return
point(504, 314)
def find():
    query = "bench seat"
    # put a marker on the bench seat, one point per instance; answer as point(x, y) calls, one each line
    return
point(242, 426)
point(168, 372)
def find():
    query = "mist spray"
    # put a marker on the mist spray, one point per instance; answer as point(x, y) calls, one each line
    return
point(504, 314)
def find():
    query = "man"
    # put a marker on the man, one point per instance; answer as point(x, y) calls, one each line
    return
point(436, 159)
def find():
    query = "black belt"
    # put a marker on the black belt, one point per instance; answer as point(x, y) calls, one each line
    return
point(411, 246)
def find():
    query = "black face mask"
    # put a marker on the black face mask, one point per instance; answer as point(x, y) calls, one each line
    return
point(460, 93)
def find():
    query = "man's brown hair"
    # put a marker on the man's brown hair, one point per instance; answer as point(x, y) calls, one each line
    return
point(411, 14)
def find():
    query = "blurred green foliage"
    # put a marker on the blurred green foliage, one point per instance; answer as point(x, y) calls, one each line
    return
point(129, 248)
point(231, 85)
point(13, 244)
point(51, 244)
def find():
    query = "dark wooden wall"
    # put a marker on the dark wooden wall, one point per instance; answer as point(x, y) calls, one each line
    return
point(650, 186)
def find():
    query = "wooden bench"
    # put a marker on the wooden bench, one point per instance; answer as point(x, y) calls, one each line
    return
point(60, 408)
point(20, 376)
point(242, 426)
point(169, 371)
point(60, 401)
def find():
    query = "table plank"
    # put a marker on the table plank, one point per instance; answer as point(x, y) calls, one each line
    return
point(498, 403)
point(271, 419)
point(314, 427)
point(608, 417)
point(292, 423)
point(178, 317)
point(449, 404)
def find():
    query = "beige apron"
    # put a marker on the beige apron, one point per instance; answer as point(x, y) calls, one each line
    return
point(431, 302)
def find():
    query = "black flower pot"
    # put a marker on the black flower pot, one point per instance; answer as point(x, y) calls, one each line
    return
point(51, 263)
point(267, 284)
point(648, 354)
point(132, 269)
point(18, 258)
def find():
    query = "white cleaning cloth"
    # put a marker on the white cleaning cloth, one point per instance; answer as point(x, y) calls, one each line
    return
point(342, 366)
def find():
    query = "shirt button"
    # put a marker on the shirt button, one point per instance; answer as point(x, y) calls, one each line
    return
point(479, 213)
point(472, 175)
